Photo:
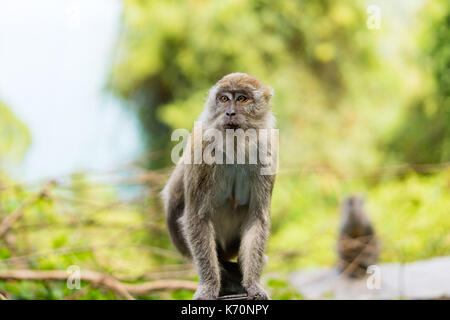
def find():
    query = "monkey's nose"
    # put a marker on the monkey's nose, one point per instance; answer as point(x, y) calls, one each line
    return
point(230, 114)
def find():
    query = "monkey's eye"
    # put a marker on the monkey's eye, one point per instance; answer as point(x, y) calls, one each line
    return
point(241, 98)
point(224, 98)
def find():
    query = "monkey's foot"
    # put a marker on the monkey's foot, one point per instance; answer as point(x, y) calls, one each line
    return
point(256, 292)
point(205, 293)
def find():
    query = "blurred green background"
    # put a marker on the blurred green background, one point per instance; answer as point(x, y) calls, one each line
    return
point(359, 110)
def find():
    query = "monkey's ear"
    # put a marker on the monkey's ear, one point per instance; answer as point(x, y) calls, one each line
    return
point(268, 93)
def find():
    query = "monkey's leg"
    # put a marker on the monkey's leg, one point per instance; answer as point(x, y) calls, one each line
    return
point(201, 239)
point(174, 213)
point(252, 258)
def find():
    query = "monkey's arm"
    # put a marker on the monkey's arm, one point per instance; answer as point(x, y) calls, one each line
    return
point(254, 238)
point(200, 236)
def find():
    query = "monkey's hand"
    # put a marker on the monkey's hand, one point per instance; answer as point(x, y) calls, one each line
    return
point(205, 293)
point(256, 292)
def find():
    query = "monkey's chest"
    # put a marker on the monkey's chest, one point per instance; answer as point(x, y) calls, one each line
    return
point(232, 200)
point(234, 188)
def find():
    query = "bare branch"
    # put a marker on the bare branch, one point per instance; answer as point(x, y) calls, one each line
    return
point(101, 279)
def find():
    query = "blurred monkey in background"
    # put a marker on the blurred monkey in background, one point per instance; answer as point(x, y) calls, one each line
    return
point(358, 246)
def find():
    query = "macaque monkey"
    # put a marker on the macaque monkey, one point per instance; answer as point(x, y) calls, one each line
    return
point(219, 211)
point(357, 246)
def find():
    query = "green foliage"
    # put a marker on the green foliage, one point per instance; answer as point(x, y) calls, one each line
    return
point(81, 223)
point(14, 138)
point(424, 134)
point(43, 290)
point(182, 295)
point(281, 290)
point(410, 216)
point(171, 52)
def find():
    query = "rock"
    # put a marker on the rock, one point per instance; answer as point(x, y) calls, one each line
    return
point(427, 279)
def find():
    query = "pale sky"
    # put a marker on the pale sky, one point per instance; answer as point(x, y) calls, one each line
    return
point(54, 61)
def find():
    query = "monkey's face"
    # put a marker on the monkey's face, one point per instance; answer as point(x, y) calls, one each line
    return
point(232, 107)
point(238, 101)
